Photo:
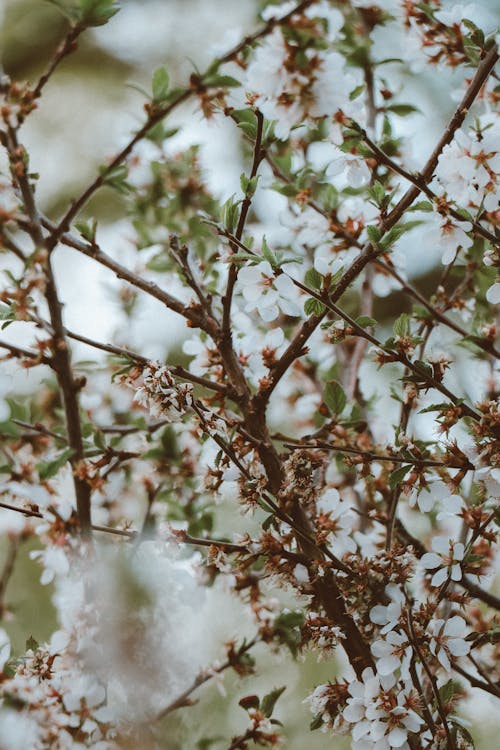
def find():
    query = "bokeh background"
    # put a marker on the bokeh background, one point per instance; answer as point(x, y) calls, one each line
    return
point(87, 113)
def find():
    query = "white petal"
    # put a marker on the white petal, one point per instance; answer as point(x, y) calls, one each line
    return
point(443, 659)
point(458, 646)
point(493, 294)
point(439, 577)
point(430, 560)
point(397, 737)
point(455, 626)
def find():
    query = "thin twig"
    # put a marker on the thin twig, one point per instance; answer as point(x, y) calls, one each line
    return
point(369, 253)
point(204, 676)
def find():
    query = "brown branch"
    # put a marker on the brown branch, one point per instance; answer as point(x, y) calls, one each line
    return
point(18, 351)
point(475, 682)
point(258, 155)
point(296, 347)
point(369, 456)
point(67, 46)
point(176, 370)
point(157, 114)
point(61, 359)
point(416, 180)
point(439, 703)
point(197, 317)
point(483, 343)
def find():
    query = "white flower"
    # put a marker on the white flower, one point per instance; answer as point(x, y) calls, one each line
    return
point(447, 558)
point(18, 731)
point(449, 236)
point(327, 259)
point(161, 395)
point(341, 517)
point(54, 561)
point(448, 639)
point(374, 726)
point(266, 293)
point(392, 653)
point(389, 615)
point(329, 98)
point(319, 699)
point(493, 293)
point(278, 11)
point(355, 168)
point(4, 648)
point(427, 497)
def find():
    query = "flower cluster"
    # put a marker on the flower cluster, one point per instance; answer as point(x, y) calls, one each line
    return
point(293, 459)
point(160, 394)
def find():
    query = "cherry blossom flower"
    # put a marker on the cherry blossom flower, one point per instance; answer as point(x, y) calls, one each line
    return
point(448, 640)
point(376, 728)
point(448, 235)
point(55, 563)
point(447, 558)
point(493, 293)
point(393, 652)
point(266, 293)
point(342, 518)
point(388, 615)
point(327, 259)
point(427, 497)
point(161, 394)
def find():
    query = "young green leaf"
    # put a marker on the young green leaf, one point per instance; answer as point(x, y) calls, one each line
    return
point(334, 397)
point(160, 84)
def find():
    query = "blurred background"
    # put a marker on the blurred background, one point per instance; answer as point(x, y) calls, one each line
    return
point(87, 113)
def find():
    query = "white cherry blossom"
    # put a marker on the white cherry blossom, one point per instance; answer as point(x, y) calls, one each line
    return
point(267, 293)
point(493, 293)
point(388, 615)
point(393, 652)
point(447, 558)
point(448, 235)
point(448, 639)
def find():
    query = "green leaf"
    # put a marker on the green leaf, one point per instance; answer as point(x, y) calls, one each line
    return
point(160, 263)
point(316, 722)
point(402, 109)
point(365, 321)
point(116, 178)
point(334, 397)
point(69, 9)
point(88, 230)
point(268, 254)
point(396, 232)
point(421, 206)
point(398, 475)
point(374, 234)
point(401, 326)
point(287, 627)
point(32, 644)
point(313, 279)
point(97, 12)
point(313, 306)
point(48, 469)
point(447, 691)
point(357, 92)
point(248, 186)
point(269, 701)
point(230, 213)
point(161, 81)
point(99, 440)
point(222, 81)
